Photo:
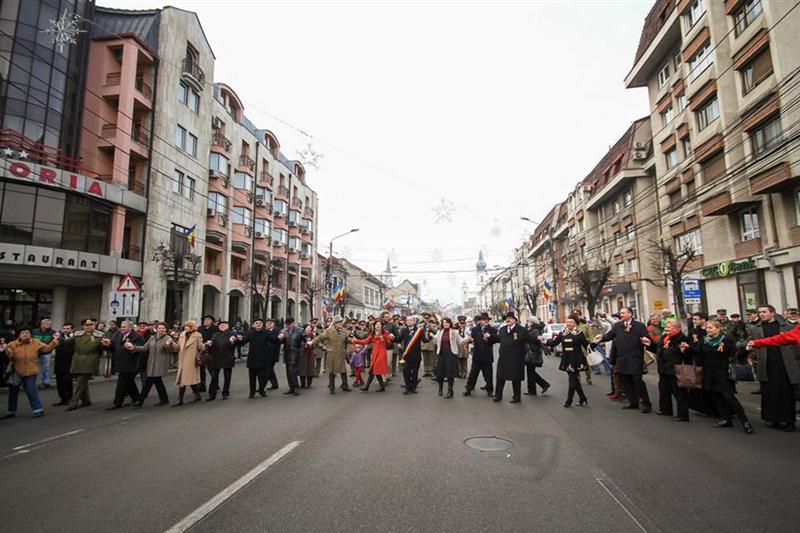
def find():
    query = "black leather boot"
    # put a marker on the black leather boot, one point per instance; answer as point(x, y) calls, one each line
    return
point(365, 388)
point(332, 383)
point(345, 386)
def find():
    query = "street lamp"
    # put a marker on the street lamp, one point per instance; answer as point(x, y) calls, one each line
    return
point(330, 257)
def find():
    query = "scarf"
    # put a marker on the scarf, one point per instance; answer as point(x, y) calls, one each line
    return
point(715, 342)
point(667, 338)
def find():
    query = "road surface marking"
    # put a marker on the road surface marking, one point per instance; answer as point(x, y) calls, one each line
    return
point(604, 481)
point(38, 442)
point(207, 508)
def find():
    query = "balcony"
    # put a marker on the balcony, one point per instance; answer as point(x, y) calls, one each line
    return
point(143, 88)
point(247, 162)
point(748, 248)
point(283, 191)
point(308, 213)
point(218, 140)
point(297, 203)
point(113, 78)
point(109, 131)
point(267, 178)
point(140, 134)
point(772, 180)
point(192, 74)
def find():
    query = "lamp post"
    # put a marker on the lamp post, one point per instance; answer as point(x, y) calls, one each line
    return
point(328, 286)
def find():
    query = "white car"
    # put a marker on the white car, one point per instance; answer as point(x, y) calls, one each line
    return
point(551, 331)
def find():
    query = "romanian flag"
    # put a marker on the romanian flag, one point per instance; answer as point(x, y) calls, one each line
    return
point(338, 292)
point(548, 293)
point(191, 235)
point(508, 305)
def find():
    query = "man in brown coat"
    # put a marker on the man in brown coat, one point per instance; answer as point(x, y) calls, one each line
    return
point(335, 339)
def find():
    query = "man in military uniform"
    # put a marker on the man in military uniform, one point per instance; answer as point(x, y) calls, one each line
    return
point(463, 354)
point(428, 347)
point(85, 361)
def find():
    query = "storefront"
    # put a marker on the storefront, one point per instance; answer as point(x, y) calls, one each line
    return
point(734, 285)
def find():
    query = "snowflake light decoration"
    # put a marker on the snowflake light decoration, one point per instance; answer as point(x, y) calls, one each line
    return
point(309, 157)
point(65, 30)
point(496, 232)
point(443, 212)
point(437, 255)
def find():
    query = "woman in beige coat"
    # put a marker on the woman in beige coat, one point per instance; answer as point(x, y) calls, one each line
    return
point(190, 346)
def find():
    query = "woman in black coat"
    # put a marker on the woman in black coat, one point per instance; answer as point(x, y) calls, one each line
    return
point(717, 352)
point(573, 359)
point(534, 359)
point(668, 354)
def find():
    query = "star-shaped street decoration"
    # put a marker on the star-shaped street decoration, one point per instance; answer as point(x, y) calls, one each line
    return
point(23, 154)
point(309, 157)
point(443, 212)
point(8, 152)
point(496, 232)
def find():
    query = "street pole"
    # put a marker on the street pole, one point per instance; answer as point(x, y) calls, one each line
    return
point(555, 275)
point(328, 274)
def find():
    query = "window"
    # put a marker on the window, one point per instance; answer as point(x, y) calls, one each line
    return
point(280, 207)
point(621, 269)
point(756, 70)
point(667, 115)
point(242, 180)
point(633, 265)
point(748, 220)
point(188, 188)
point(180, 137)
point(693, 14)
point(280, 235)
point(219, 163)
point(766, 136)
point(627, 198)
point(216, 202)
point(294, 243)
point(700, 61)
point(582, 251)
point(691, 188)
point(663, 76)
point(708, 113)
point(177, 182)
point(294, 217)
point(686, 146)
point(261, 226)
point(191, 147)
point(713, 168)
point(615, 206)
point(264, 195)
point(618, 238)
point(629, 231)
point(676, 57)
point(183, 92)
point(746, 14)
point(194, 101)
point(241, 215)
point(671, 158)
point(675, 197)
point(681, 99)
point(689, 241)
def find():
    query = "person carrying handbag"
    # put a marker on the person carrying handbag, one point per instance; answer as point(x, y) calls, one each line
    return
point(534, 358)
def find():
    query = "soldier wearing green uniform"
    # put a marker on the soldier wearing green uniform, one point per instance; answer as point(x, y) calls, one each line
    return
point(85, 362)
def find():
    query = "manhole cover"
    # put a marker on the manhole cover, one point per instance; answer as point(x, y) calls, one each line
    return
point(489, 444)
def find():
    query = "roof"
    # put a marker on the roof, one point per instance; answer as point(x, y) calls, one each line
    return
point(653, 23)
point(598, 177)
point(144, 23)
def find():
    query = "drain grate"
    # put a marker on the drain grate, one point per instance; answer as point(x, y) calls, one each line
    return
point(488, 444)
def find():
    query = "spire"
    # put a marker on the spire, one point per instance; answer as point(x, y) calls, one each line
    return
point(386, 277)
point(480, 266)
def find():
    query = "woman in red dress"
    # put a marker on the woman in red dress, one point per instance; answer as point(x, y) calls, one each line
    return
point(379, 339)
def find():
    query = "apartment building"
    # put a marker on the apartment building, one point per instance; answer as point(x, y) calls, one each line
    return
point(365, 292)
point(723, 86)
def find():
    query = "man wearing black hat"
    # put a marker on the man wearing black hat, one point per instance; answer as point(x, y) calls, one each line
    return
point(484, 337)
point(223, 357)
point(207, 331)
point(293, 339)
point(511, 359)
point(264, 353)
point(411, 338)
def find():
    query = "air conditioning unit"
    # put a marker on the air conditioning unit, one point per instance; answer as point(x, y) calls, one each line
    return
point(216, 123)
point(639, 155)
point(209, 212)
point(278, 214)
point(292, 250)
point(260, 202)
point(276, 243)
point(304, 256)
point(292, 223)
point(259, 235)
point(639, 145)
point(304, 231)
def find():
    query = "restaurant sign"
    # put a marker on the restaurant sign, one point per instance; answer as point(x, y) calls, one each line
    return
point(722, 270)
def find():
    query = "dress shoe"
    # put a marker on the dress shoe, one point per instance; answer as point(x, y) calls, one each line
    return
point(272, 388)
point(440, 393)
point(583, 403)
point(226, 396)
point(748, 428)
point(210, 399)
point(526, 393)
point(545, 388)
point(262, 394)
point(646, 408)
point(413, 391)
point(662, 413)
point(113, 408)
point(59, 403)
point(515, 400)
point(290, 392)
point(567, 404)
point(630, 406)
point(251, 397)
point(449, 395)
point(466, 393)
point(679, 419)
point(723, 424)
point(297, 393)
point(406, 392)
point(496, 399)
point(382, 389)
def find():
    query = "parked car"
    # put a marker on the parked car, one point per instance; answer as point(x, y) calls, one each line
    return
point(550, 332)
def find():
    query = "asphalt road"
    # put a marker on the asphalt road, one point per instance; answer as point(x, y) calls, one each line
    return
point(388, 462)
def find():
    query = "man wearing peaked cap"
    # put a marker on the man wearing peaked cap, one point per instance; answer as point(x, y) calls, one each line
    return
point(511, 360)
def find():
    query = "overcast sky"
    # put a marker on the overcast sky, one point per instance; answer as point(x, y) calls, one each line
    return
point(499, 109)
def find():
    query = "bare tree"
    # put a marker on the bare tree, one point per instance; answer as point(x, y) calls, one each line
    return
point(589, 274)
point(673, 261)
point(531, 294)
point(260, 281)
point(312, 291)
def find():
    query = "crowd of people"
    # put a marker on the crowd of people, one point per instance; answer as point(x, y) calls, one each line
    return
point(697, 366)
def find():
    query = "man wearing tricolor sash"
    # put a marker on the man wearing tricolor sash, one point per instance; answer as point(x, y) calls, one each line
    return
point(410, 341)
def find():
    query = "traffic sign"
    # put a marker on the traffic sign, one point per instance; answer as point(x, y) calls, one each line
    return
point(123, 304)
point(128, 284)
point(691, 290)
